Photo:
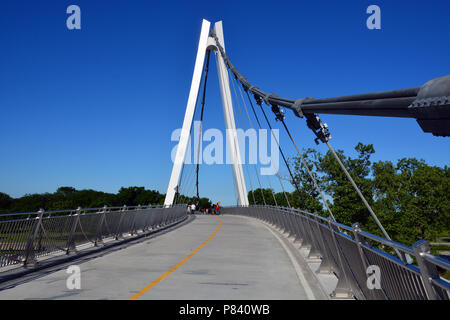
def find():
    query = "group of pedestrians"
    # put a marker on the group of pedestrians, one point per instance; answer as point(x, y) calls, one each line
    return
point(191, 208)
point(214, 209)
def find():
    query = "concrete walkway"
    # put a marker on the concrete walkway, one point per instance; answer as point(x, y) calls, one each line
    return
point(243, 260)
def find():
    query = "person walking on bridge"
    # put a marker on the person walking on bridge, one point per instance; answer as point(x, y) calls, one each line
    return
point(218, 208)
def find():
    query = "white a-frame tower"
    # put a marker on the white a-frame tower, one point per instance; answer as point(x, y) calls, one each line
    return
point(208, 43)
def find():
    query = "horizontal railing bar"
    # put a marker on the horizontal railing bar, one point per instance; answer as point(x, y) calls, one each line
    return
point(387, 242)
point(445, 264)
point(392, 258)
point(82, 209)
point(442, 283)
point(342, 226)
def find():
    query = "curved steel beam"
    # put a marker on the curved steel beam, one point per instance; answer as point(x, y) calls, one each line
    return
point(428, 104)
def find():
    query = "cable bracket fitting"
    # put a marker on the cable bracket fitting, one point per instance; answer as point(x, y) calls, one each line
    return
point(320, 129)
point(297, 106)
point(251, 88)
point(279, 113)
point(267, 97)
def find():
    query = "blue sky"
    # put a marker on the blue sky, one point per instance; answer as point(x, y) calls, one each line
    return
point(95, 108)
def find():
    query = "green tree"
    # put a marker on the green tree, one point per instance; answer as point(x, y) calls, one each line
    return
point(65, 191)
point(261, 196)
point(204, 203)
point(346, 206)
point(413, 198)
point(147, 197)
point(308, 198)
point(128, 196)
point(66, 198)
point(5, 202)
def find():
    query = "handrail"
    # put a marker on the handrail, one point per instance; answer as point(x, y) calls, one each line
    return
point(23, 240)
point(344, 251)
point(72, 210)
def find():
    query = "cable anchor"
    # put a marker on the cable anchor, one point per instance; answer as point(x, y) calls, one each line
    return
point(297, 106)
point(257, 99)
point(279, 113)
point(320, 129)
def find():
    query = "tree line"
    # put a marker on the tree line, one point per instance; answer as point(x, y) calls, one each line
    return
point(66, 198)
point(70, 198)
point(410, 198)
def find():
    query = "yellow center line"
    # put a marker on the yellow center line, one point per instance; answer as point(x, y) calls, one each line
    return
point(151, 285)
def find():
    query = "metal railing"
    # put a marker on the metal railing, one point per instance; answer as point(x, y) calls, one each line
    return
point(348, 252)
point(24, 237)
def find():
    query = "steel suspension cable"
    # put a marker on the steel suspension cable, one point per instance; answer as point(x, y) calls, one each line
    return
point(285, 195)
point(306, 166)
point(251, 124)
point(246, 164)
point(185, 185)
point(271, 189)
point(294, 182)
point(256, 170)
point(201, 124)
point(185, 178)
point(251, 186)
point(374, 216)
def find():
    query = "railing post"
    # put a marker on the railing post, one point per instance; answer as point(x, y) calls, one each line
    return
point(428, 271)
point(289, 223)
point(264, 215)
point(98, 237)
point(154, 218)
point(30, 256)
point(325, 265)
point(306, 237)
point(133, 223)
point(285, 222)
point(298, 229)
point(294, 226)
point(356, 230)
point(278, 220)
point(71, 247)
point(119, 231)
point(343, 288)
point(169, 216)
point(147, 218)
point(314, 252)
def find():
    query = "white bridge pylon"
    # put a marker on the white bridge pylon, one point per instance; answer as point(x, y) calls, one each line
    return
point(208, 43)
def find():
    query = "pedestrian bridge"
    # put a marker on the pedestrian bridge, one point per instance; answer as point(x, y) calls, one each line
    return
point(211, 257)
point(245, 253)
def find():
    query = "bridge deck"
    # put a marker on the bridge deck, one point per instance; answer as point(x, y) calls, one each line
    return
point(243, 260)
